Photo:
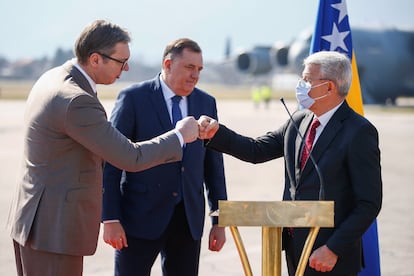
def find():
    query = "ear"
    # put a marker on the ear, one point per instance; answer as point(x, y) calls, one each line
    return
point(330, 85)
point(166, 64)
point(94, 59)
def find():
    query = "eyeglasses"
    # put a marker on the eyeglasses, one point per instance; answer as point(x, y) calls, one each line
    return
point(305, 83)
point(124, 63)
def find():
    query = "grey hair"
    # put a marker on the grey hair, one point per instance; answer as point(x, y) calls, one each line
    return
point(334, 66)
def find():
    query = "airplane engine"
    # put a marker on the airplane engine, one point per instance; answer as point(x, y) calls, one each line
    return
point(280, 54)
point(256, 61)
point(385, 60)
point(262, 59)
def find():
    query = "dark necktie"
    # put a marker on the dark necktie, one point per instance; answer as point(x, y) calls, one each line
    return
point(176, 111)
point(310, 137)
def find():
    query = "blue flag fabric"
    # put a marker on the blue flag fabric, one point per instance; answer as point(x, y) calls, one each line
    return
point(333, 33)
point(371, 252)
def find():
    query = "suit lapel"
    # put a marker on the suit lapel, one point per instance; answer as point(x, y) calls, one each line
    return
point(328, 135)
point(303, 127)
point(192, 105)
point(78, 77)
point(159, 104)
point(193, 109)
point(330, 131)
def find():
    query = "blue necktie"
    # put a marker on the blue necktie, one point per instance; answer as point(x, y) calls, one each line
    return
point(176, 111)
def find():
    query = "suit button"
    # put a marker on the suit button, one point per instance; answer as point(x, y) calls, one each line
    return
point(175, 194)
point(182, 169)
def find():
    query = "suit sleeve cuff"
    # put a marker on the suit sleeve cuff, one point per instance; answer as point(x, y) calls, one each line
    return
point(180, 137)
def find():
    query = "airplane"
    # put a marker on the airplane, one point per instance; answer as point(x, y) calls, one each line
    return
point(385, 60)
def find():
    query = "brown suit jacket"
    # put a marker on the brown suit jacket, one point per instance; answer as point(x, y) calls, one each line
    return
point(57, 206)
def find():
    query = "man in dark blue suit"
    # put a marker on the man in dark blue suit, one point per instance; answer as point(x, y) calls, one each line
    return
point(162, 210)
point(345, 148)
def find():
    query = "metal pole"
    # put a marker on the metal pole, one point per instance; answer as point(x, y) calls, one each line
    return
point(242, 251)
point(313, 232)
point(271, 251)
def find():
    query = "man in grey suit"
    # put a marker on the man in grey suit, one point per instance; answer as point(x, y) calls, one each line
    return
point(55, 215)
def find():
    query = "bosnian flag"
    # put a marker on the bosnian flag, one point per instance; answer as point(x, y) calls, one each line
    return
point(333, 33)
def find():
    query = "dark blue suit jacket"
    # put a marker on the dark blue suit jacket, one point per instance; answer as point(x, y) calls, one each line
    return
point(348, 157)
point(144, 201)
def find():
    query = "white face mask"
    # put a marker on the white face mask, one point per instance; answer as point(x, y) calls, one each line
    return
point(302, 93)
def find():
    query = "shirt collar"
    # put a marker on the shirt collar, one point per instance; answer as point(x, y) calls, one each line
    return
point(324, 118)
point(166, 91)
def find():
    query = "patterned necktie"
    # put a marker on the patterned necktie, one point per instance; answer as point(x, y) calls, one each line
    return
point(309, 142)
point(176, 111)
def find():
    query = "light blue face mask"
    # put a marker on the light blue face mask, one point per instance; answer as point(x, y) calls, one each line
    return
point(302, 93)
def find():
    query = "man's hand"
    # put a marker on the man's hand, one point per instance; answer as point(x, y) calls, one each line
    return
point(208, 127)
point(114, 235)
point(217, 238)
point(188, 127)
point(323, 259)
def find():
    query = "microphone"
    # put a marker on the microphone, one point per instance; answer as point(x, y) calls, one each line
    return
point(321, 182)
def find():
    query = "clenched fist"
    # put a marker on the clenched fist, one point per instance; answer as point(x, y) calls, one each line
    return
point(208, 127)
point(188, 127)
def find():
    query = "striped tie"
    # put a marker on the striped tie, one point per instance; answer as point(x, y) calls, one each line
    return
point(309, 142)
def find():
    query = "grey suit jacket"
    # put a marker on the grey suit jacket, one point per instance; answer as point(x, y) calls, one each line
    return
point(57, 206)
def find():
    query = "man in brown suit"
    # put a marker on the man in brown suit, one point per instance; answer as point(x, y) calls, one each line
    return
point(55, 215)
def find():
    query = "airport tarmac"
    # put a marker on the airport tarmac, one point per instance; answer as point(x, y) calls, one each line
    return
point(262, 182)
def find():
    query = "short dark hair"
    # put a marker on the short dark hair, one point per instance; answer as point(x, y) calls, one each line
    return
point(99, 36)
point(177, 46)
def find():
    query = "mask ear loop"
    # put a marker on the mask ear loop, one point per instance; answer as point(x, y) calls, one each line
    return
point(320, 84)
point(327, 94)
point(321, 97)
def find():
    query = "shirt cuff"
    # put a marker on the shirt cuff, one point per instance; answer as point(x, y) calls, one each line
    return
point(110, 221)
point(180, 137)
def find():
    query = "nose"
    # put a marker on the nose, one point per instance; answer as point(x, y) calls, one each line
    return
point(195, 74)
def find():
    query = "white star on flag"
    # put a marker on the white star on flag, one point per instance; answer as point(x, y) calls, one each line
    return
point(336, 39)
point(341, 7)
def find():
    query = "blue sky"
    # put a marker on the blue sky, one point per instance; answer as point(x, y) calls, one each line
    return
point(38, 28)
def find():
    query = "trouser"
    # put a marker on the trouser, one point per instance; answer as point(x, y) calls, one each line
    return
point(31, 262)
point(179, 251)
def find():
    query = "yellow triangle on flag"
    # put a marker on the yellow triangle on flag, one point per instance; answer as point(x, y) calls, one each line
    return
point(354, 97)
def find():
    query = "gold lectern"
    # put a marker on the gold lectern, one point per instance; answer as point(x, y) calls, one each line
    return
point(272, 217)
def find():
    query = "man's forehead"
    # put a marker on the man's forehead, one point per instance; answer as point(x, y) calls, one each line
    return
point(310, 70)
point(191, 59)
